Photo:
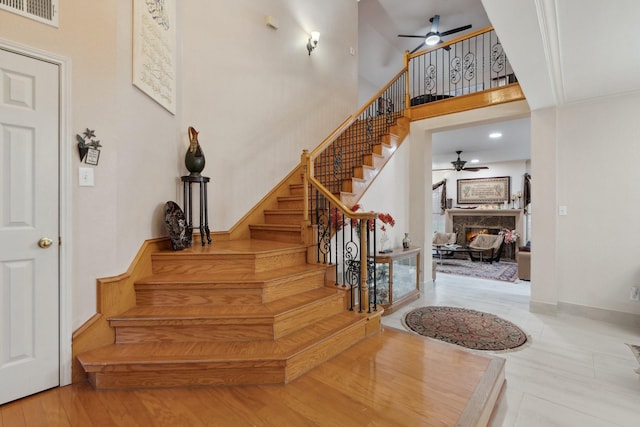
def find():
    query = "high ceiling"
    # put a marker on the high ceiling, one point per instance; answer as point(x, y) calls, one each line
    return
point(393, 17)
point(550, 44)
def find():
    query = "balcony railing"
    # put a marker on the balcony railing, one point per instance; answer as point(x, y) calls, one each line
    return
point(463, 66)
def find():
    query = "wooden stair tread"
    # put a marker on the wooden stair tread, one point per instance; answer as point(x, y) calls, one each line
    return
point(283, 227)
point(243, 280)
point(234, 247)
point(166, 314)
point(167, 353)
point(284, 211)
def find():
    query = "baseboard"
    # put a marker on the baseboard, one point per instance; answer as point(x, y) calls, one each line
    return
point(594, 313)
point(542, 307)
point(601, 314)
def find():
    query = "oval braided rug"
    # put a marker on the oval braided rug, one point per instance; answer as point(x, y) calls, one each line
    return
point(467, 328)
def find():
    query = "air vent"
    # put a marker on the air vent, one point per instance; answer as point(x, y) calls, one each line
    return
point(45, 11)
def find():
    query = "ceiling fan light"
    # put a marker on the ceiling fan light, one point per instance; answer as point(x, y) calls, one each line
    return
point(432, 39)
point(458, 164)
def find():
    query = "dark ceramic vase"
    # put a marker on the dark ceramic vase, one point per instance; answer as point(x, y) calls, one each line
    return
point(194, 159)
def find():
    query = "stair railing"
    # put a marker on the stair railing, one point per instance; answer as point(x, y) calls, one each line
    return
point(471, 63)
point(345, 238)
point(334, 159)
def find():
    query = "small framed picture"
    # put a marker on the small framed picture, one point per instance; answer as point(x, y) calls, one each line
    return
point(92, 157)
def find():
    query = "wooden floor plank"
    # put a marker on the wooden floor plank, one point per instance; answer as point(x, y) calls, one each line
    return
point(12, 414)
point(391, 379)
point(73, 407)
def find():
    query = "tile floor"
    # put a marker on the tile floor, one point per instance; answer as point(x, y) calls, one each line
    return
point(574, 372)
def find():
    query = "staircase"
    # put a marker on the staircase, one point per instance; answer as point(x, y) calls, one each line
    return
point(237, 312)
point(361, 156)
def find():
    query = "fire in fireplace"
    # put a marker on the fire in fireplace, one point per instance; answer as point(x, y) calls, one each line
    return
point(471, 231)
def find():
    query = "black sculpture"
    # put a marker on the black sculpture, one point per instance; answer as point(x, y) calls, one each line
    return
point(176, 226)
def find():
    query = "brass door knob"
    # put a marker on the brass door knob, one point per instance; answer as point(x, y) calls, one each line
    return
point(45, 242)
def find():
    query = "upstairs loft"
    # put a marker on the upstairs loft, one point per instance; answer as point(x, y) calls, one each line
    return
point(466, 73)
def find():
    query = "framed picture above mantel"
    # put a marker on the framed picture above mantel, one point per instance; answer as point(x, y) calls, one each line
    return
point(484, 190)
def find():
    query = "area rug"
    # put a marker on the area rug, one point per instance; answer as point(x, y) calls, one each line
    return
point(467, 328)
point(503, 271)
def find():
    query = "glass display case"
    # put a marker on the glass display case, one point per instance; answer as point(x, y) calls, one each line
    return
point(397, 278)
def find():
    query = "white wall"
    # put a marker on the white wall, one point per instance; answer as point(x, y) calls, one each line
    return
point(389, 193)
point(253, 93)
point(136, 168)
point(598, 178)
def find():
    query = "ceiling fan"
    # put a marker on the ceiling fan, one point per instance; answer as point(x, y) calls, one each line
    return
point(434, 36)
point(458, 165)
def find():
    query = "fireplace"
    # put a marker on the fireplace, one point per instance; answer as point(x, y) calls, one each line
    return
point(467, 223)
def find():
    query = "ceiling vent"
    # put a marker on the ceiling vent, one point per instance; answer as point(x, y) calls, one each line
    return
point(45, 11)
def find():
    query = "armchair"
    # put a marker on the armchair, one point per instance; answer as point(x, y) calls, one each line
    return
point(490, 244)
point(440, 239)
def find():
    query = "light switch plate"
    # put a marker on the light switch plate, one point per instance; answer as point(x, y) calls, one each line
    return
point(562, 210)
point(85, 177)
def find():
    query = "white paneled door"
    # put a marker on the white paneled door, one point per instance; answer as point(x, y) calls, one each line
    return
point(29, 226)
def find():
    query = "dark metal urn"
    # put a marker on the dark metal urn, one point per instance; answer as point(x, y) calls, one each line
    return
point(194, 159)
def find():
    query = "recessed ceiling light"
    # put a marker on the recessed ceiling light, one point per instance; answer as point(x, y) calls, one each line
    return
point(495, 135)
point(474, 161)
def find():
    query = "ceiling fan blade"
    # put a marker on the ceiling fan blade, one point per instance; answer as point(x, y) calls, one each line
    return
point(445, 169)
point(408, 35)
point(475, 168)
point(420, 46)
point(455, 30)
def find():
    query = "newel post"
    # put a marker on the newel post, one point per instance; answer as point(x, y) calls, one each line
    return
point(364, 289)
point(306, 165)
point(407, 100)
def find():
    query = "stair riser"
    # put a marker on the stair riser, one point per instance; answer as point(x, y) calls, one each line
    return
point(291, 204)
point(296, 189)
point(354, 185)
point(190, 333)
point(287, 218)
point(310, 315)
point(277, 235)
point(228, 264)
point(231, 295)
point(374, 160)
point(365, 173)
point(140, 331)
point(186, 296)
point(223, 376)
point(284, 289)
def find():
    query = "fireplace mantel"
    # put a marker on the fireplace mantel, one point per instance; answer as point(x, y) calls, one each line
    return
point(484, 217)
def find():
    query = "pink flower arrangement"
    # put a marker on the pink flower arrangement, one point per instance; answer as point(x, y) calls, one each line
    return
point(510, 236)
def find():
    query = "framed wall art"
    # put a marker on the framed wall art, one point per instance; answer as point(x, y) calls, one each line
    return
point(484, 190)
point(154, 50)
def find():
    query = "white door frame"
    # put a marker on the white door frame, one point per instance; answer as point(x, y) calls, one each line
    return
point(64, 200)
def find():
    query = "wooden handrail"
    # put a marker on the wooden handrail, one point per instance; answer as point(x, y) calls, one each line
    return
point(410, 56)
point(336, 133)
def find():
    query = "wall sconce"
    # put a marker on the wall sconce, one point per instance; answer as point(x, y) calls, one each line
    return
point(312, 43)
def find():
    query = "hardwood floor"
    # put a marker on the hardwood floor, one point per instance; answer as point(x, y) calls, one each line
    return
point(391, 379)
